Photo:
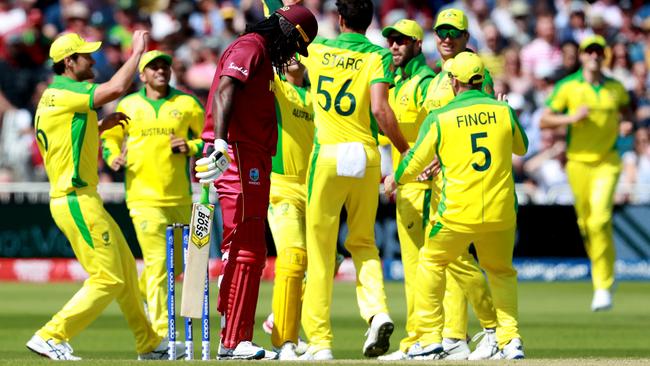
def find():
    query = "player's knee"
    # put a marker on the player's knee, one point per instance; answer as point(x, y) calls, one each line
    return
point(599, 224)
point(292, 262)
point(109, 284)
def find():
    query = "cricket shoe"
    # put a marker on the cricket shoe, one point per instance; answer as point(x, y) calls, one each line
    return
point(378, 335)
point(51, 349)
point(245, 350)
point(301, 347)
point(487, 347)
point(393, 356)
point(287, 352)
point(320, 355)
point(602, 300)
point(514, 350)
point(455, 349)
point(433, 351)
point(162, 351)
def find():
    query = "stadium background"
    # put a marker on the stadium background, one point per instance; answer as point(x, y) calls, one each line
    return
point(527, 46)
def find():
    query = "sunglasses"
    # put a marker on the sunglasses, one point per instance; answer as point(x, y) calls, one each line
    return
point(452, 33)
point(400, 40)
point(595, 49)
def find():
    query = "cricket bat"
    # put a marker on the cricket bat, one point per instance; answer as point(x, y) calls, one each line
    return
point(196, 267)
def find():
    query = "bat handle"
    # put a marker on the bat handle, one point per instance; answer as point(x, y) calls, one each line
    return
point(205, 194)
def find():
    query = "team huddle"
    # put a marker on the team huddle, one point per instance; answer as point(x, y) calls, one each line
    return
point(305, 149)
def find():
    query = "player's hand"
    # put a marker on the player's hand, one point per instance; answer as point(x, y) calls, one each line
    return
point(139, 41)
point(179, 145)
point(112, 120)
point(502, 97)
point(211, 167)
point(119, 161)
point(581, 114)
point(430, 170)
point(390, 185)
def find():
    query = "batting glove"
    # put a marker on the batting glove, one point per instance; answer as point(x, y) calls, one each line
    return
point(211, 167)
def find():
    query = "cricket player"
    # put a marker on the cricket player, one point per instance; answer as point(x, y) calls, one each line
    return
point(67, 132)
point(590, 104)
point(451, 33)
point(286, 214)
point(412, 79)
point(350, 78)
point(473, 137)
point(162, 134)
point(241, 110)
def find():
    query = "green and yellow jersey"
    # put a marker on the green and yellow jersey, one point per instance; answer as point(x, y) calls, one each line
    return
point(67, 135)
point(440, 91)
point(295, 114)
point(341, 73)
point(593, 138)
point(407, 97)
point(270, 6)
point(474, 137)
point(155, 176)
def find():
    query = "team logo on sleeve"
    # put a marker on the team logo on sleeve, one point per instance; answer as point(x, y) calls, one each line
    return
point(254, 176)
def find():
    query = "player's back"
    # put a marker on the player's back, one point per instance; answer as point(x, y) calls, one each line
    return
point(341, 73)
point(477, 137)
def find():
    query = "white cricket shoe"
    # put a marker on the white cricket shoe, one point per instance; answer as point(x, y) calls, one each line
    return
point(455, 349)
point(287, 352)
point(393, 356)
point(433, 351)
point(378, 335)
point(245, 350)
point(602, 300)
point(487, 347)
point(51, 349)
point(514, 350)
point(162, 351)
point(301, 347)
point(320, 355)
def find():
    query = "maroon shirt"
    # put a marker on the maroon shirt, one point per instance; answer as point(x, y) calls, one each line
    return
point(253, 119)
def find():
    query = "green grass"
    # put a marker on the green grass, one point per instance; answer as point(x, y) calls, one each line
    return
point(555, 323)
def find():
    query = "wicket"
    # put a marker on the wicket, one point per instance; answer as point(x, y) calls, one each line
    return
point(171, 301)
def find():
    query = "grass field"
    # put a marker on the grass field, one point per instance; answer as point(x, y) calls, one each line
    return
point(555, 321)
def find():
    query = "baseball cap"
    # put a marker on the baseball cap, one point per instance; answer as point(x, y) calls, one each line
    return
point(453, 17)
point(593, 40)
point(304, 22)
point(152, 55)
point(406, 27)
point(69, 44)
point(465, 67)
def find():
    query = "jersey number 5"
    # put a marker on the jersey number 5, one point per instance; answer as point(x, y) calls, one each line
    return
point(480, 149)
point(342, 93)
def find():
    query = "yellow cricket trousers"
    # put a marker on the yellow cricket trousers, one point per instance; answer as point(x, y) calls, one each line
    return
point(327, 193)
point(286, 216)
point(593, 186)
point(150, 225)
point(494, 251)
point(102, 251)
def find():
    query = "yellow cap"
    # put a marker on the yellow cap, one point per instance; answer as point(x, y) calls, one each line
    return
point(453, 17)
point(406, 27)
point(593, 40)
point(69, 44)
point(152, 55)
point(465, 67)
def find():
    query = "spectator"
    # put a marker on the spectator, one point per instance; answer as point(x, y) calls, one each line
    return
point(570, 60)
point(636, 168)
point(492, 53)
point(208, 19)
point(547, 169)
point(619, 66)
point(513, 74)
point(576, 29)
point(543, 49)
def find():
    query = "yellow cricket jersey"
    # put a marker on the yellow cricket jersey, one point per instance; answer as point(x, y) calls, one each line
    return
point(341, 72)
point(591, 139)
point(474, 137)
point(295, 114)
point(155, 176)
point(67, 135)
point(440, 91)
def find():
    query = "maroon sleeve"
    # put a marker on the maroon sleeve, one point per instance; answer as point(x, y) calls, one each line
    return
point(242, 60)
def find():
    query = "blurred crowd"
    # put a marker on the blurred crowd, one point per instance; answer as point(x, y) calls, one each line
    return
point(526, 45)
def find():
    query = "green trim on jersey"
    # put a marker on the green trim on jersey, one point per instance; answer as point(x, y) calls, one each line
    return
point(374, 126)
point(80, 87)
point(79, 122)
point(312, 169)
point(442, 204)
point(426, 206)
point(515, 122)
point(435, 229)
point(77, 216)
point(277, 162)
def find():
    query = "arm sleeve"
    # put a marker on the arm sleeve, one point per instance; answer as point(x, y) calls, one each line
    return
point(112, 139)
point(557, 102)
point(383, 70)
point(519, 137)
point(241, 62)
point(421, 154)
point(194, 142)
point(624, 96)
point(488, 84)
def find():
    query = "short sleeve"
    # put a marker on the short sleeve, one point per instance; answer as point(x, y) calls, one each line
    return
point(558, 100)
point(242, 60)
point(383, 71)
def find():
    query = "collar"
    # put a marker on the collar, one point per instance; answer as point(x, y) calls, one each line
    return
point(353, 37)
point(413, 66)
point(60, 79)
point(470, 94)
point(170, 93)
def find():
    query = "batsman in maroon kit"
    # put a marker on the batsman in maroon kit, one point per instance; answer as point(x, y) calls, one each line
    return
point(241, 121)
